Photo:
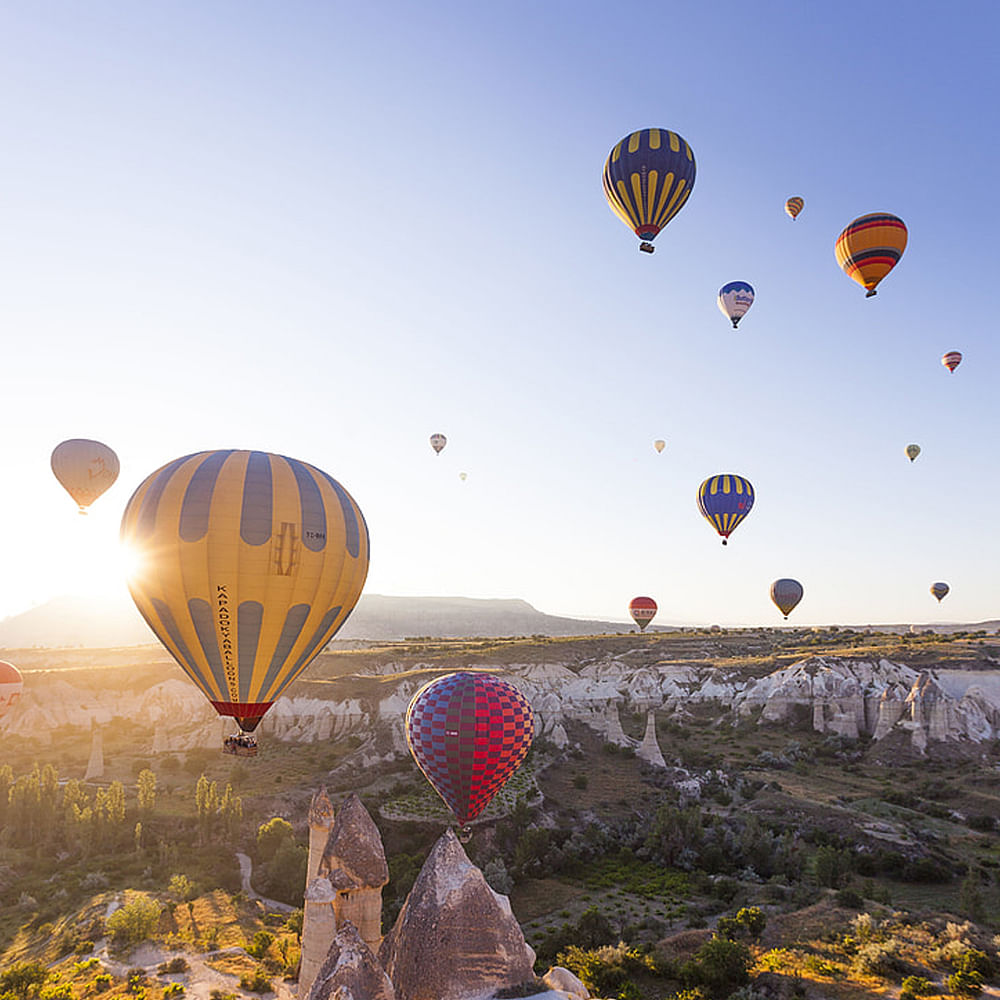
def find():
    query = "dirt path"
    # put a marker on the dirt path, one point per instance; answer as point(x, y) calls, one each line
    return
point(246, 870)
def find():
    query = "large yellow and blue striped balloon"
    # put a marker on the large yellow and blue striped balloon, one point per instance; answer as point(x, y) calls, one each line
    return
point(724, 501)
point(648, 177)
point(247, 564)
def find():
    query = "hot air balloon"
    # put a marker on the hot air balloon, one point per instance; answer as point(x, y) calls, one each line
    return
point(468, 733)
point(940, 591)
point(912, 450)
point(11, 684)
point(438, 441)
point(870, 247)
point(643, 611)
point(952, 360)
point(735, 298)
point(463, 476)
point(247, 565)
point(659, 444)
point(794, 205)
point(647, 179)
point(85, 468)
point(786, 594)
point(724, 500)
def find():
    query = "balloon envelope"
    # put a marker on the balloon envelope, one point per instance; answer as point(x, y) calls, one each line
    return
point(643, 611)
point(11, 684)
point(648, 177)
point(468, 733)
point(85, 468)
point(735, 298)
point(786, 593)
point(659, 444)
point(870, 247)
point(724, 501)
point(940, 591)
point(438, 441)
point(794, 205)
point(248, 564)
point(912, 450)
point(952, 360)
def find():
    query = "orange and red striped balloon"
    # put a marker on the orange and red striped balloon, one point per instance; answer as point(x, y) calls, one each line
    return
point(870, 247)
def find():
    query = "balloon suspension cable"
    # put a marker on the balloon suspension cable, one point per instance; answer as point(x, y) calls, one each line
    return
point(870, 293)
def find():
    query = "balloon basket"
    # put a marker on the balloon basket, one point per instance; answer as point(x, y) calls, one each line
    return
point(646, 247)
point(870, 293)
point(464, 834)
point(240, 746)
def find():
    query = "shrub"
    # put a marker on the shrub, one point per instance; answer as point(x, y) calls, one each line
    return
point(604, 971)
point(849, 899)
point(261, 942)
point(102, 982)
point(719, 966)
point(966, 983)
point(172, 990)
point(752, 919)
point(22, 977)
point(255, 982)
point(915, 986)
point(878, 958)
point(177, 964)
point(56, 991)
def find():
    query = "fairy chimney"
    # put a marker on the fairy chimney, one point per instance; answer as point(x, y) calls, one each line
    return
point(350, 971)
point(320, 821)
point(455, 937)
point(95, 766)
point(347, 887)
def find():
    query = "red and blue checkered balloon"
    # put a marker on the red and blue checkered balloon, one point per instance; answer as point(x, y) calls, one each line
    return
point(469, 733)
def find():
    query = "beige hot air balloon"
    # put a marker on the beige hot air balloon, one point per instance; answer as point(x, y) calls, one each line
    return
point(85, 468)
point(659, 444)
point(438, 441)
point(912, 450)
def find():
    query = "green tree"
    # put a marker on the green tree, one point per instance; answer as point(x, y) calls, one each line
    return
point(753, 920)
point(181, 888)
point(22, 978)
point(271, 835)
point(146, 790)
point(135, 921)
point(719, 967)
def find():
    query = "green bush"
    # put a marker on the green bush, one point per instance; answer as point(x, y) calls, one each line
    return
point(261, 942)
point(605, 971)
point(56, 991)
point(718, 967)
point(172, 990)
point(849, 899)
point(102, 982)
point(255, 982)
point(752, 919)
point(966, 983)
point(135, 921)
point(878, 958)
point(177, 964)
point(915, 986)
point(22, 978)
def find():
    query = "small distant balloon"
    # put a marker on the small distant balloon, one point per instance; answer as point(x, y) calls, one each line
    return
point(794, 205)
point(952, 360)
point(940, 591)
point(85, 468)
point(648, 177)
point(11, 684)
point(643, 611)
point(438, 441)
point(463, 476)
point(659, 444)
point(724, 501)
point(786, 593)
point(912, 450)
point(735, 298)
point(870, 247)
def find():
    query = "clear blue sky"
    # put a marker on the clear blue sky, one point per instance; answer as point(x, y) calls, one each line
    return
point(330, 230)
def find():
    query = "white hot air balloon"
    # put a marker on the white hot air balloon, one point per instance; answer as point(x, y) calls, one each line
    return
point(85, 468)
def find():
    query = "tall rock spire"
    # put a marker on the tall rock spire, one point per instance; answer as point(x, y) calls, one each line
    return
point(455, 937)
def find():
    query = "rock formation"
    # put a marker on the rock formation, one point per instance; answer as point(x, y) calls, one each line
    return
point(649, 749)
point(350, 971)
point(95, 766)
point(347, 887)
point(613, 731)
point(455, 938)
point(321, 815)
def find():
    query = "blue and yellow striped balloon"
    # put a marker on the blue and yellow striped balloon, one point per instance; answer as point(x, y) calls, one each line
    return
point(247, 564)
point(724, 501)
point(648, 177)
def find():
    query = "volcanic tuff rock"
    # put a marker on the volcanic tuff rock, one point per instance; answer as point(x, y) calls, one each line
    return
point(351, 971)
point(455, 938)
